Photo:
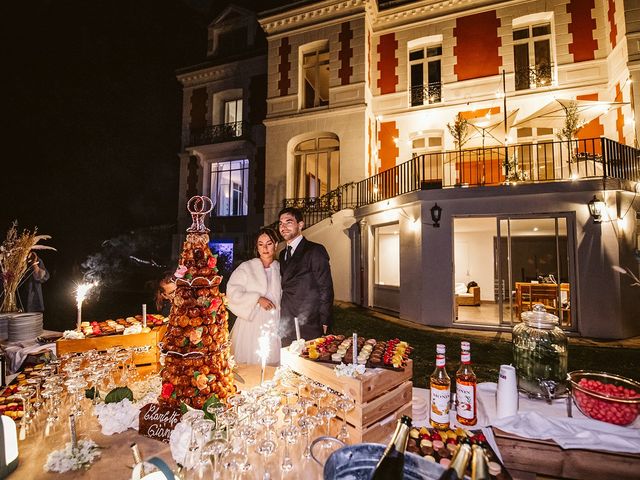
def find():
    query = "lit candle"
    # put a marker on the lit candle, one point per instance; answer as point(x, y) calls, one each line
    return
point(144, 315)
point(295, 320)
point(355, 349)
point(81, 293)
point(263, 353)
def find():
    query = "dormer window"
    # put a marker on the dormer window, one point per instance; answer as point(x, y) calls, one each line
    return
point(232, 41)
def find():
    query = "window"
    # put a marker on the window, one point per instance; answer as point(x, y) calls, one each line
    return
point(532, 56)
point(315, 77)
point(425, 72)
point(534, 152)
point(232, 41)
point(233, 117)
point(428, 144)
point(317, 167)
point(387, 255)
point(229, 186)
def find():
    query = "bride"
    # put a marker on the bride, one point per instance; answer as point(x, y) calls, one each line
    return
point(253, 294)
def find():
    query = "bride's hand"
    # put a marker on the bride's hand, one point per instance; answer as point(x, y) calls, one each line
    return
point(266, 304)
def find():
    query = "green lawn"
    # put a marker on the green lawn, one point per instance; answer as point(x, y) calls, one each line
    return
point(487, 354)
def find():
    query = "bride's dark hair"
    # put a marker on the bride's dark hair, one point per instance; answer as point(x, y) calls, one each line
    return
point(269, 232)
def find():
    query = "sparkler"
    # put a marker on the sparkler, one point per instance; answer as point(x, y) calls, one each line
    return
point(263, 353)
point(144, 315)
point(297, 324)
point(81, 293)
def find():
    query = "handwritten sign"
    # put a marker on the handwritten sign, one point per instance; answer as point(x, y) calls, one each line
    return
point(158, 422)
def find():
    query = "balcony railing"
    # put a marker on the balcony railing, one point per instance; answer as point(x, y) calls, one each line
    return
point(533, 77)
point(421, 94)
point(224, 132)
point(527, 162)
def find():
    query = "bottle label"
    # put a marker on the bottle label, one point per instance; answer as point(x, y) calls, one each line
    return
point(465, 396)
point(465, 357)
point(440, 396)
point(440, 361)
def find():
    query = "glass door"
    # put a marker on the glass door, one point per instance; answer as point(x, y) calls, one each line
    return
point(533, 264)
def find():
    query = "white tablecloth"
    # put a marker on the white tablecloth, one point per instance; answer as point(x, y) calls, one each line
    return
point(541, 420)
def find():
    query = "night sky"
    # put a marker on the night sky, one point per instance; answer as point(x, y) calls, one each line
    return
point(92, 111)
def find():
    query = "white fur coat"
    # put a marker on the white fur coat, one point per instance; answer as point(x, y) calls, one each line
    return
point(248, 283)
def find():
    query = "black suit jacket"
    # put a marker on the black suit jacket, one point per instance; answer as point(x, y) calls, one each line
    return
point(307, 291)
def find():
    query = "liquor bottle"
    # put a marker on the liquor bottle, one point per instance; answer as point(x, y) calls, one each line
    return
point(479, 468)
point(459, 463)
point(466, 413)
point(137, 458)
point(3, 369)
point(391, 465)
point(440, 388)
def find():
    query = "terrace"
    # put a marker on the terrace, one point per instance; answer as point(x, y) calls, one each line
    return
point(552, 161)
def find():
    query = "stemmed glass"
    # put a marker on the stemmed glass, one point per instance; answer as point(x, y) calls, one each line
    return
point(213, 449)
point(51, 395)
point(345, 405)
point(288, 434)
point(327, 413)
point(307, 423)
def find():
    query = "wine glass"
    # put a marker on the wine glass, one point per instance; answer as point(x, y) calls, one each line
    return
point(345, 405)
point(327, 413)
point(307, 423)
point(213, 449)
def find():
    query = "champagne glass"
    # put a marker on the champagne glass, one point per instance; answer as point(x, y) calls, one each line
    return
point(345, 405)
point(307, 423)
point(213, 449)
point(327, 413)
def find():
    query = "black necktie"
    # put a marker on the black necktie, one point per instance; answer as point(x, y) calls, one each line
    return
point(287, 257)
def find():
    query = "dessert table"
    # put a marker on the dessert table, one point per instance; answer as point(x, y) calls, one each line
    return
point(116, 459)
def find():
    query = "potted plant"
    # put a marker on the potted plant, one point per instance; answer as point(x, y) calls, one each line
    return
point(459, 130)
point(572, 124)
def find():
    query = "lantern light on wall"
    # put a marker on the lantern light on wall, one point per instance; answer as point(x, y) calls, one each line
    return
point(596, 208)
point(436, 215)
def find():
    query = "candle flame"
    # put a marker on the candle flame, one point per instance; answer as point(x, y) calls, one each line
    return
point(82, 290)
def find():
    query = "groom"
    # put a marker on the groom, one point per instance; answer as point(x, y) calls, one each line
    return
point(307, 288)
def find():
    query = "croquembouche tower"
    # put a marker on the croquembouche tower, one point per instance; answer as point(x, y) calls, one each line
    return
point(196, 344)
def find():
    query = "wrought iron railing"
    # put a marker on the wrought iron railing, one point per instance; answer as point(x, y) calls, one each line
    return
point(533, 77)
point(429, 93)
point(224, 132)
point(527, 162)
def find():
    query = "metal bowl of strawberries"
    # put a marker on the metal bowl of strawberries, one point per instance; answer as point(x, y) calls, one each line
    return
point(606, 397)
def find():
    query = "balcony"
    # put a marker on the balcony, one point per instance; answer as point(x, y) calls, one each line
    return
point(425, 94)
point(531, 162)
point(225, 132)
point(534, 77)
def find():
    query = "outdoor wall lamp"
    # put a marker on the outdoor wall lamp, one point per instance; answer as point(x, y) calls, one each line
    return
point(436, 215)
point(596, 207)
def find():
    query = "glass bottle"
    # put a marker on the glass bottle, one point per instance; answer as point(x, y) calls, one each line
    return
point(137, 457)
point(440, 389)
point(459, 463)
point(540, 354)
point(391, 465)
point(479, 468)
point(466, 412)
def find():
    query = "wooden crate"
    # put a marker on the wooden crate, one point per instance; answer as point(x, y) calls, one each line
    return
point(108, 341)
point(372, 384)
point(522, 457)
point(377, 432)
point(381, 396)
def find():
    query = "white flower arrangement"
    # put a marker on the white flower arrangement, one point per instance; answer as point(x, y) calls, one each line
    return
point(72, 335)
point(181, 436)
point(67, 459)
point(297, 346)
point(349, 370)
point(120, 416)
point(117, 417)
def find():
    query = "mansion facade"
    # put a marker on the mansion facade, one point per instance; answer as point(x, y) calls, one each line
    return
point(460, 160)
